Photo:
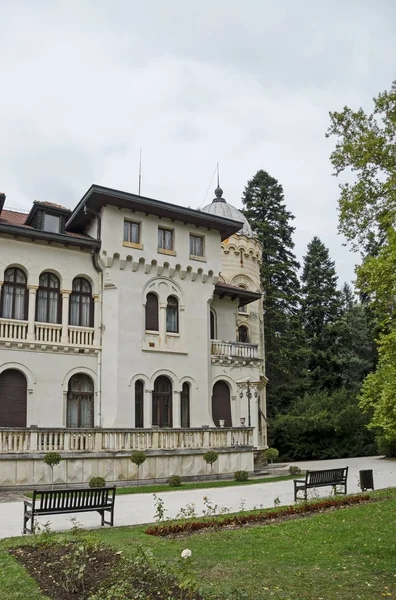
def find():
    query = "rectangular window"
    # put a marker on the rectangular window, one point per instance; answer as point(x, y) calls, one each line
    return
point(165, 239)
point(196, 245)
point(131, 232)
point(51, 223)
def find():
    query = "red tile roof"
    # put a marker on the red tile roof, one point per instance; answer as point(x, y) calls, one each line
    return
point(51, 204)
point(13, 217)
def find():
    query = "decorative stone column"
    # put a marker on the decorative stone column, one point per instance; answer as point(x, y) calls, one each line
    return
point(176, 409)
point(147, 408)
point(32, 289)
point(162, 323)
point(65, 316)
point(97, 323)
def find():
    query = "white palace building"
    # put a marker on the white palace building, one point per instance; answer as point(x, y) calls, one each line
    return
point(129, 324)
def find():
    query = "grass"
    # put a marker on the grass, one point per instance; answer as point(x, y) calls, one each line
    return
point(346, 554)
point(154, 489)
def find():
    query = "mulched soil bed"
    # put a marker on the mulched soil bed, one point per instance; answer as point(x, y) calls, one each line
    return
point(56, 570)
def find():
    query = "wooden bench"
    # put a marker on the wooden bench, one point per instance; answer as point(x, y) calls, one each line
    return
point(59, 502)
point(314, 479)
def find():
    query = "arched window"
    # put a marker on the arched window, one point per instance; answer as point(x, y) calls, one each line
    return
point(221, 405)
point(80, 401)
point(48, 309)
point(152, 312)
point(162, 402)
point(185, 405)
point(172, 315)
point(139, 395)
point(213, 332)
point(13, 398)
point(81, 303)
point(243, 308)
point(14, 295)
point(243, 334)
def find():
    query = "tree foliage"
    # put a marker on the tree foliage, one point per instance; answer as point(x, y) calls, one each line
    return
point(264, 207)
point(366, 148)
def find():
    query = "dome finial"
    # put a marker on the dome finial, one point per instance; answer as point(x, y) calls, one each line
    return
point(218, 190)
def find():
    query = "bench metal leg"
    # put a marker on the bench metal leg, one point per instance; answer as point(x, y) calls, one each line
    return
point(26, 518)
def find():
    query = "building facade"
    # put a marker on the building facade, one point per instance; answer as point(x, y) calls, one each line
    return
point(129, 323)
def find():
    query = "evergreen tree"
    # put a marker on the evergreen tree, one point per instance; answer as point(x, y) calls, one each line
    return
point(321, 309)
point(265, 209)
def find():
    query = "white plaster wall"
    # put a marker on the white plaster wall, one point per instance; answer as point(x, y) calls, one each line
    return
point(226, 318)
point(47, 375)
point(36, 257)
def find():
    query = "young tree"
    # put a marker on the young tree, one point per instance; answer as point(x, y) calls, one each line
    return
point(366, 147)
point(264, 207)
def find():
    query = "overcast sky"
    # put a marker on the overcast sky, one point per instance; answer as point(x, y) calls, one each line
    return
point(84, 84)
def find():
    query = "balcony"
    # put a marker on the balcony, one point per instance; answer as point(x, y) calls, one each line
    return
point(233, 352)
point(45, 334)
point(22, 441)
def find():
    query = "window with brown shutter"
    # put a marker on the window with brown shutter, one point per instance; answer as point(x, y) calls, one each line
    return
point(185, 405)
point(152, 312)
point(139, 395)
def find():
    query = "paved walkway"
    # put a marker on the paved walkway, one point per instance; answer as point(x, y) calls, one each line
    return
point(132, 509)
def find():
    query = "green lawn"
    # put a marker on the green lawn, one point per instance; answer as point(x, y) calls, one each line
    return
point(347, 554)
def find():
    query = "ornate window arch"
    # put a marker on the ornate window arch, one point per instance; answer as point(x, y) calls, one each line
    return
point(14, 297)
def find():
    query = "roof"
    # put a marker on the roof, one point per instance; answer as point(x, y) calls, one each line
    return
point(233, 292)
point(220, 207)
point(56, 209)
point(52, 205)
point(97, 197)
point(14, 222)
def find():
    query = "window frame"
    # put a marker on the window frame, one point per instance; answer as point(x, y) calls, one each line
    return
point(185, 399)
point(246, 330)
point(139, 404)
point(161, 248)
point(79, 294)
point(51, 215)
point(47, 290)
point(87, 395)
point(147, 316)
point(192, 238)
point(159, 399)
point(172, 309)
point(129, 242)
point(14, 285)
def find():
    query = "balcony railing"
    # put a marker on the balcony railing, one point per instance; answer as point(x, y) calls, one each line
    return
point(46, 333)
point(13, 330)
point(234, 349)
point(121, 440)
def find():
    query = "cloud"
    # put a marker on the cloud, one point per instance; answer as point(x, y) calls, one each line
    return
point(250, 85)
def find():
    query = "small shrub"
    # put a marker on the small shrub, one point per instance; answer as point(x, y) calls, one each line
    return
point(271, 454)
point(52, 459)
point(210, 457)
point(138, 457)
point(241, 475)
point(294, 470)
point(97, 482)
point(175, 481)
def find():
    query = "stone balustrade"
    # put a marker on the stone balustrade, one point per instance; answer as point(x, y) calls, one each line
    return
point(234, 350)
point(121, 440)
point(45, 333)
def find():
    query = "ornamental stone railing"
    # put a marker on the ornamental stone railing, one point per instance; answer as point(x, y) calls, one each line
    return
point(30, 441)
point(234, 350)
point(12, 330)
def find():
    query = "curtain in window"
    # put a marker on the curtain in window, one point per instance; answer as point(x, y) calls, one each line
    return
point(80, 403)
point(14, 294)
point(172, 315)
point(196, 245)
point(165, 239)
point(48, 298)
point(81, 303)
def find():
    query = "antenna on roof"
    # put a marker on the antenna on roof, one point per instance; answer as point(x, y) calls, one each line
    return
point(140, 169)
point(218, 176)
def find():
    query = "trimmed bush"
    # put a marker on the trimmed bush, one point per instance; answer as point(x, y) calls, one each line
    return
point(271, 454)
point(210, 457)
point(175, 481)
point(97, 482)
point(241, 475)
point(294, 470)
point(138, 457)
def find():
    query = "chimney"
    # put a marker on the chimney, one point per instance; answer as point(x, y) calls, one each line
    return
point(2, 200)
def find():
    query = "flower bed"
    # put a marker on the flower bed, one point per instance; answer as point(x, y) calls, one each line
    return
point(191, 526)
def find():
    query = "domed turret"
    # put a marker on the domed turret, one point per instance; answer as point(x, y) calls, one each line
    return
point(220, 207)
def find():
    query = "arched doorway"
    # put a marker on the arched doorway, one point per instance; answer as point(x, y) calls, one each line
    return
point(13, 394)
point(80, 402)
point(162, 402)
point(221, 405)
